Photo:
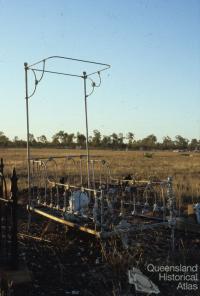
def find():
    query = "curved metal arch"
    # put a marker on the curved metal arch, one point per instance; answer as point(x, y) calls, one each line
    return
point(105, 66)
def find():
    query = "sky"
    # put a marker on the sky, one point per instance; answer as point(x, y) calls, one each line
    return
point(153, 85)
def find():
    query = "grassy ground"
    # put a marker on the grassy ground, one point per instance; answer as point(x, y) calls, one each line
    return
point(183, 167)
point(61, 256)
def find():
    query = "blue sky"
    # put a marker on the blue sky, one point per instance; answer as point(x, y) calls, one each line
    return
point(154, 50)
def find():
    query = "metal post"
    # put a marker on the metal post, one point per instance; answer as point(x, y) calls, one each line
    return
point(86, 123)
point(27, 123)
point(28, 144)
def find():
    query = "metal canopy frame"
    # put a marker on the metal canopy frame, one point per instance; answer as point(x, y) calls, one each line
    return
point(33, 68)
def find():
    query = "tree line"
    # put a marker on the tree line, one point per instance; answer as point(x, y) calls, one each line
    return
point(63, 139)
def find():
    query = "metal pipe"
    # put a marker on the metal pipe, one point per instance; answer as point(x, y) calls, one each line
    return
point(86, 123)
point(65, 222)
point(27, 124)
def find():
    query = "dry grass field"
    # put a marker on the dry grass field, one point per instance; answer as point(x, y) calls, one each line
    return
point(183, 167)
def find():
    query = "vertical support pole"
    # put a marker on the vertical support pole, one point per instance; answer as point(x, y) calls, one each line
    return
point(27, 125)
point(14, 242)
point(28, 144)
point(86, 123)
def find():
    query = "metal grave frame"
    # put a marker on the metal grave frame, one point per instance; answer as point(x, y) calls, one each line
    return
point(34, 69)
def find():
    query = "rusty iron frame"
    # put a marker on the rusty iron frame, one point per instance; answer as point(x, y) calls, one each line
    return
point(84, 76)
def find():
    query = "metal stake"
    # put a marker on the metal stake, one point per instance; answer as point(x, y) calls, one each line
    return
point(28, 146)
point(27, 124)
point(86, 123)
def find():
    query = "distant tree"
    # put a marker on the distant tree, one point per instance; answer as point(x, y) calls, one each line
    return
point(120, 140)
point(149, 142)
point(114, 139)
point(181, 143)
point(60, 137)
point(18, 142)
point(167, 143)
point(32, 140)
point(70, 139)
point(80, 139)
point(130, 138)
point(106, 141)
point(4, 141)
point(55, 139)
point(96, 139)
point(194, 144)
point(137, 144)
point(42, 139)
point(63, 138)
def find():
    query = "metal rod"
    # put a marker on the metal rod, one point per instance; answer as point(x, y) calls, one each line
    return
point(66, 74)
point(27, 124)
point(70, 59)
point(97, 72)
point(58, 73)
point(86, 123)
point(65, 222)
